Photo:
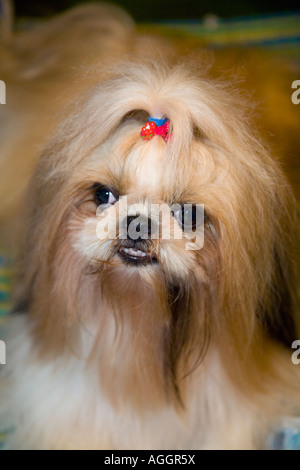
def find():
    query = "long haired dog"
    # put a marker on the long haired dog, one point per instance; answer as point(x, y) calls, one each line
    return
point(159, 341)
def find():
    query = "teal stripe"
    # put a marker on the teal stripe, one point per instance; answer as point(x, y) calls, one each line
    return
point(244, 29)
point(5, 296)
point(4, 311)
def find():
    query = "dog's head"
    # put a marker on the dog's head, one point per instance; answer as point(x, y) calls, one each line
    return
point(183, 243)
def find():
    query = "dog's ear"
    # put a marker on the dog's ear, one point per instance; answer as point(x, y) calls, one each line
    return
point(280, 320)
point(280, 306)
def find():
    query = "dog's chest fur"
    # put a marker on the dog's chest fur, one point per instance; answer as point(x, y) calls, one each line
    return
point(86, 418)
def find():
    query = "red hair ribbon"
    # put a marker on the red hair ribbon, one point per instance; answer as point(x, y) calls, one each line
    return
point(156, 127)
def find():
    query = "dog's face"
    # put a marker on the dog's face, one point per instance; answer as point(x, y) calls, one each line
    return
point(141, 215)
point(179, 280)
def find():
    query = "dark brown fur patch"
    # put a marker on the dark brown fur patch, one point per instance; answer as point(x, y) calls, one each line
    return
point(186, 337)
point(279, 321)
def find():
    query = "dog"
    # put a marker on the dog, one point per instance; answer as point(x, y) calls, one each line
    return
point(120, 339)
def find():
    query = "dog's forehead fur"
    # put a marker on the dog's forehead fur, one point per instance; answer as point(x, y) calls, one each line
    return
point(129, 164)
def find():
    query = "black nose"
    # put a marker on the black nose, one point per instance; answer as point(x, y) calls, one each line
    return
point(138, 227)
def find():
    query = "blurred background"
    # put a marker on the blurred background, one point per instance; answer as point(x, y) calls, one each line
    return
point(157, 10)
point(274, 26)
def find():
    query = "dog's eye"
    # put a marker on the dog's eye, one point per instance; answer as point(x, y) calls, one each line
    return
point(190, 216)
point(104, 195)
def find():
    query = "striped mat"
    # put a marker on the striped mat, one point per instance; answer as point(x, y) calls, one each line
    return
point(277, 33)
point(6, 275)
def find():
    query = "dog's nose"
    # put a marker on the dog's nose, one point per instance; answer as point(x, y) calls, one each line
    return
point(138, 227)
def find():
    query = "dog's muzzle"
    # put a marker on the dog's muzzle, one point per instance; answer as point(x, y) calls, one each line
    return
point(137, 246)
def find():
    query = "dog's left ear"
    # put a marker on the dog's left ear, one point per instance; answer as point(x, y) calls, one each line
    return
point(280, 316)
point(281, 320)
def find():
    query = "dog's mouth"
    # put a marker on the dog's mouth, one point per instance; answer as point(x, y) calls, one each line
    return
point(137, 255)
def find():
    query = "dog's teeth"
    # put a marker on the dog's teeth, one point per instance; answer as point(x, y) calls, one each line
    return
point(133, 252)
